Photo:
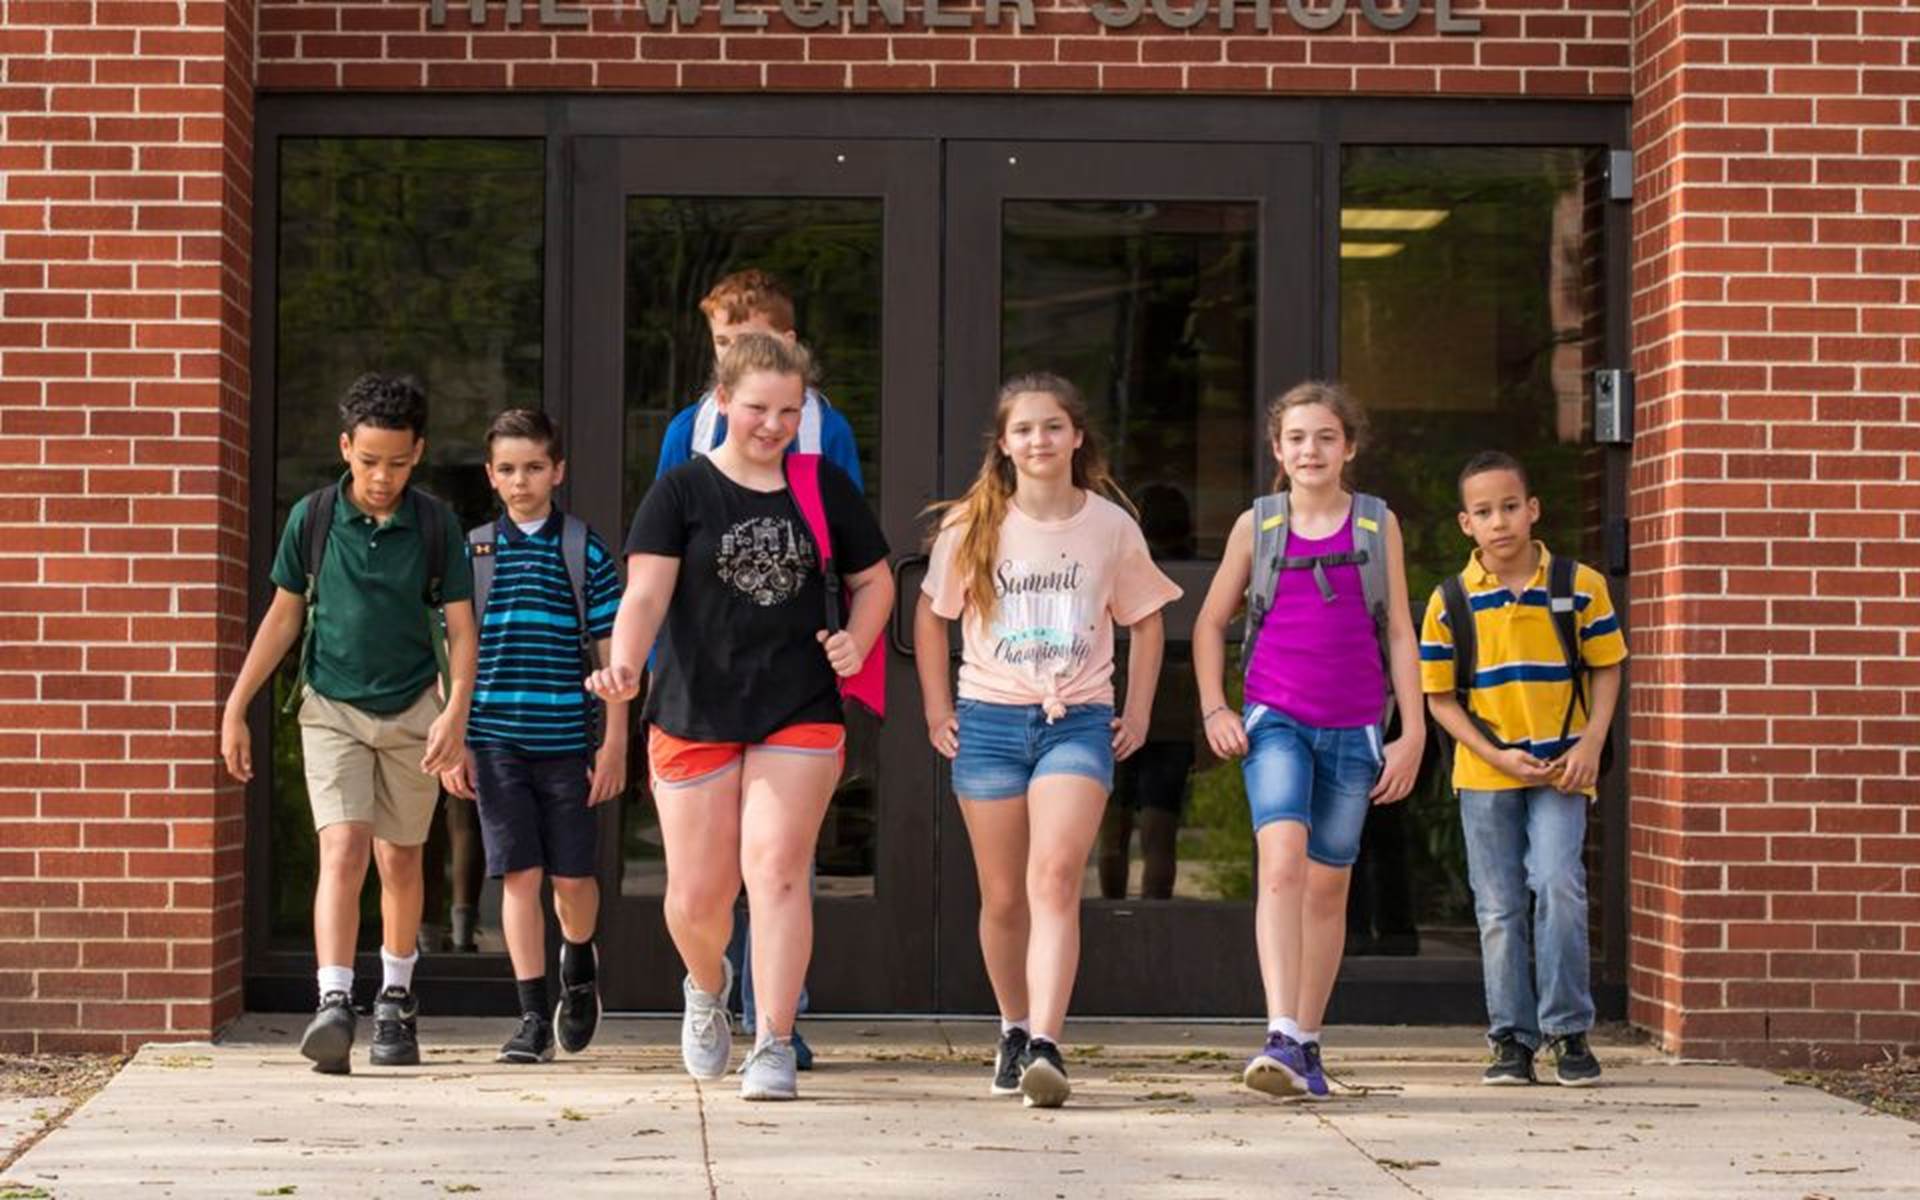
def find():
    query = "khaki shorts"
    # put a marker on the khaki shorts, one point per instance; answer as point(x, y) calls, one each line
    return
point(365, 767)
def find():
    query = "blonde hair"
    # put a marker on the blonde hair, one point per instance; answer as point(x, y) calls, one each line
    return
point(752, 352)
point(1330, 395)
point(983, 507)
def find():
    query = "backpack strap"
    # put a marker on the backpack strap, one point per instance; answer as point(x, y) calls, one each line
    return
point(868, 685)
point(573, 552)
point(706, 427)
point(433, 516)
point(1563, 606)
point(1466, 638)
point(1270, 515)
point(318, 524)
point(803, 483)
point(813, 418)
point(1370, 545)
point(480, 551)
point(1466, 654)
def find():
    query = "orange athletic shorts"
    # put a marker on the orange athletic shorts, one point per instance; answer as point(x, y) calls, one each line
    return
point(679, 762)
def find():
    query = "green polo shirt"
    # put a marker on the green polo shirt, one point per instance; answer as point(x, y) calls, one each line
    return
point(372, 647)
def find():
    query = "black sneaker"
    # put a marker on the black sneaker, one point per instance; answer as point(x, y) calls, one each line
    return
point(1006, 1064)
point(1512, 1064)
point(328, 1040)
point(1573, 1063)
point(578, 1015)
point(531, 1043)
point(802, 1053)
point(1043, 1077)
point(396, 1036)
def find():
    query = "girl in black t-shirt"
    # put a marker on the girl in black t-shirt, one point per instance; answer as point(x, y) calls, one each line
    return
point(747, 739)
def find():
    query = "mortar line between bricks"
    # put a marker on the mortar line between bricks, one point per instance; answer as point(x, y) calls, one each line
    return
point(706, 1147)
point(1327, 1123)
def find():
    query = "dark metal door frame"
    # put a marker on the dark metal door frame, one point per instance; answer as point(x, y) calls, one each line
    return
point(279, 975)
point(872, 954)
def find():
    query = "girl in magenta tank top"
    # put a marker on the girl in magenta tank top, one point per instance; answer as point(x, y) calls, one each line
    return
point(1318, 678)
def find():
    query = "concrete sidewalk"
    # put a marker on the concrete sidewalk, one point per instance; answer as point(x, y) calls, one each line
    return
point(900, 1109)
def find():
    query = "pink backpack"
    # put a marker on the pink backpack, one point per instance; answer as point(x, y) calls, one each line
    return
point(868, 685)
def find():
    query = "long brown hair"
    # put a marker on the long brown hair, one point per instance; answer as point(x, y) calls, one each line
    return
point(982, 508)
point(1336, 398)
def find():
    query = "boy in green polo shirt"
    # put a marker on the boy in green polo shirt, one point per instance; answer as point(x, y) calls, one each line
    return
point(373, 730)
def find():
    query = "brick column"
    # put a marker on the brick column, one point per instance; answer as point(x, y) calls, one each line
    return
point(125, 150)
point(1776, 500)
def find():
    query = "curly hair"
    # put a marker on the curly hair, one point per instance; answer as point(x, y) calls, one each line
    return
point(384, 402)
point(751, 293)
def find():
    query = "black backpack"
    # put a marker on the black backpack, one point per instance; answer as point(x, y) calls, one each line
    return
point(433, 517)
point(1566, 624)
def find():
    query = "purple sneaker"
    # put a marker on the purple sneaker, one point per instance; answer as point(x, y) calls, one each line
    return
point(1280, 1069)
point(1316, 1078)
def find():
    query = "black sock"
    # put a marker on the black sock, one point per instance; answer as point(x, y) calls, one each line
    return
point(576, 962)
point(533, 994)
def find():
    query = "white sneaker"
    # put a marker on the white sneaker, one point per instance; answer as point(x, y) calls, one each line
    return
point(770, 1072)
point(706, 1030)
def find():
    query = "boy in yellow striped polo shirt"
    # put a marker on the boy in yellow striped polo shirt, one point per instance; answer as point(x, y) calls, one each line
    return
point(1528, 743)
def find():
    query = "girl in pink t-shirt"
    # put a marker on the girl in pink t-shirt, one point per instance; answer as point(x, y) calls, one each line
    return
point(1319, 672)
point(1037, 566)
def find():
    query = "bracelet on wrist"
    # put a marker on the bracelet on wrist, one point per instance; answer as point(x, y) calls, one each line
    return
point(1213, 712)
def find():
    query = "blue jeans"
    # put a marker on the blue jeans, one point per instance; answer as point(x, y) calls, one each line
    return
point(1005, 747)
point(1530, 894)
point(1317, 777)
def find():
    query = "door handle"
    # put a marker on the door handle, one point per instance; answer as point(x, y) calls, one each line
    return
point(900, 627)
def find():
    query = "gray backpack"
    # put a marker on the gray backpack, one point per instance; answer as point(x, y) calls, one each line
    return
point(1270, 516)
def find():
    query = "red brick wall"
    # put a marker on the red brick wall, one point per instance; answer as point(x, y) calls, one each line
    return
point(125, 132)
point(1776, 488)
point(1559, 48)
point(1776, 847)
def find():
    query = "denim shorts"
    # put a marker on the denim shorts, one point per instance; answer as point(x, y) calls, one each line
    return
point(1318, 777)
point(1004, 747)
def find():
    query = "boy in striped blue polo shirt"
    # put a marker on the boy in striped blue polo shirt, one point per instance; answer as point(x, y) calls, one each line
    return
point(546, 592)
point(1539, 670)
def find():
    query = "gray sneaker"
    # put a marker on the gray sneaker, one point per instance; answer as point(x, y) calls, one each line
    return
point(769, 1072)
point(706, 1031)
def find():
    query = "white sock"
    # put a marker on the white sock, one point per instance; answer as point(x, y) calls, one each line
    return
point(1308, 1037)
point(1285, 1025)
point(1007, 1026)
point(335, 979)
point(397, 972)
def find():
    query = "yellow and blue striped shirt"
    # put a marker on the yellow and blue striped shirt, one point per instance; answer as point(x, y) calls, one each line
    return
point(1521, 685)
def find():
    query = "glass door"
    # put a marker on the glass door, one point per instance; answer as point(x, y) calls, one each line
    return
point(852, 230)
point(1175, 285)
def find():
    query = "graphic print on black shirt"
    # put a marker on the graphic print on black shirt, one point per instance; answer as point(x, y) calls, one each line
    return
point(736, 657)
point(766, 559)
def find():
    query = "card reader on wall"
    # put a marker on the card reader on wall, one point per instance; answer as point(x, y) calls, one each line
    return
point(1613, 407)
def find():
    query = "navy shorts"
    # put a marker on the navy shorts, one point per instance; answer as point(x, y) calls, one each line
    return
point(533, 813)
point(1004, 747)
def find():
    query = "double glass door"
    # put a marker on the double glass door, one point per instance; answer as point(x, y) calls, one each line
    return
point(1168, 281)
point(1179, 286)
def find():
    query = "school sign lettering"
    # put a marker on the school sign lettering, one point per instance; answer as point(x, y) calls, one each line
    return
point(1309, 15)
